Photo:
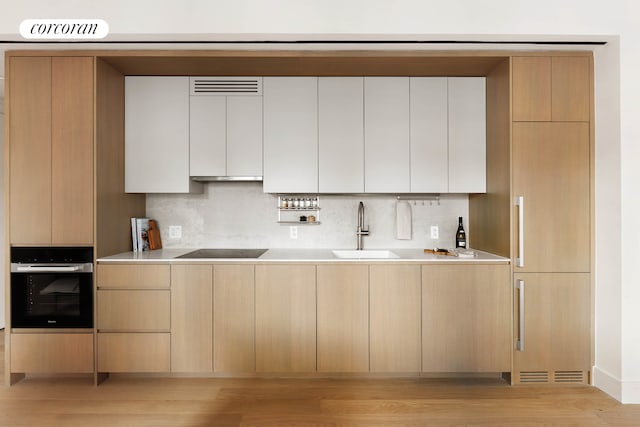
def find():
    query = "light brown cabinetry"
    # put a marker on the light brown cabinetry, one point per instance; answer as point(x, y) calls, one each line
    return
point(52, 353)
point(285, 318)
point(51, 150)
point(552, 324)
point(466, 318)
point(551, 173)
point(549, 88)
point(343, 318)
point(551, 184)
point(394, 330)
point(233, 319)
point(133, 305)
point(191, 318)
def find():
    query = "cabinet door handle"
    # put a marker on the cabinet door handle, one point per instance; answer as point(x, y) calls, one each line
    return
point(520, 257)
point(520, 340)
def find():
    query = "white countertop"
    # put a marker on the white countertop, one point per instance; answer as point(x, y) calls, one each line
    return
point(299, 255)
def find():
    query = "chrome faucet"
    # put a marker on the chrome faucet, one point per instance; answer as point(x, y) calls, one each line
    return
point(361, 230)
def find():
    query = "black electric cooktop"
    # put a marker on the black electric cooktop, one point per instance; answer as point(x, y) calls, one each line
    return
point(224, 253)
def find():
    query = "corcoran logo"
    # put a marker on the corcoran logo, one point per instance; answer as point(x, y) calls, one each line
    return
point(67, 29)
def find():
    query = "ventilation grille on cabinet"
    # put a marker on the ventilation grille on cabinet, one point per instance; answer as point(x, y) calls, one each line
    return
point(575, 377)
point(534, 377)
point(569, 377)
point(226, 86)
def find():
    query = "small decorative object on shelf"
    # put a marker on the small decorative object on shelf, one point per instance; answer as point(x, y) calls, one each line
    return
point(298, 204)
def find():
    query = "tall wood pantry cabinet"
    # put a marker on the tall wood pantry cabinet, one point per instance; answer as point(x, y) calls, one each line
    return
point(51, 156)
point(551, 190)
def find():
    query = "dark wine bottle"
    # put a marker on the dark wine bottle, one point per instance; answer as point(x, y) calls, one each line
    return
point(461, 237)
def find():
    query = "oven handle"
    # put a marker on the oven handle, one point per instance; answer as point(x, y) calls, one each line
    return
point(47, 269)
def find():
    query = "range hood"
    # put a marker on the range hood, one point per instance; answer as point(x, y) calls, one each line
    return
point(225, 128)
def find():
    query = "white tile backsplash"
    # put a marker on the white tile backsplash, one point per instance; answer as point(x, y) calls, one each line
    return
point(240, 215)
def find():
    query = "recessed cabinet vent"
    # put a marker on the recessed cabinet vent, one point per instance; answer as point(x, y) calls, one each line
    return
point(534, 377)
point(224, 86)
point(569, 377)
point(548, 377)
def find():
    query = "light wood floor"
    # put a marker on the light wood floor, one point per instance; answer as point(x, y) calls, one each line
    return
point(126, 401)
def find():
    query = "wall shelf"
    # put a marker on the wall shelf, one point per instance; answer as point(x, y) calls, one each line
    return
point(290, 204)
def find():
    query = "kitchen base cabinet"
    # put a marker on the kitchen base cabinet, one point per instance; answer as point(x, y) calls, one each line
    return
point(133, 312)
point(553, 329)
point(285, 318)
point(233, 319)
point(134, 276)
point(133, 309)
point(466, 319)
point(52, 353)
point(394, 334)
point(134, 352)
point(191, 318)
point(343, 318)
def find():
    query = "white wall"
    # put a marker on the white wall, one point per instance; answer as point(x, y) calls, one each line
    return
point(618, 177)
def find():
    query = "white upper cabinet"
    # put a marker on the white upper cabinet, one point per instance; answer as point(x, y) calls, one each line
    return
point(225, 127)
point(290, 134)
point(157, 135)
point(429, 135)
point(467, 135)
point(341, 134)
point(386, 134)
point(208, 136)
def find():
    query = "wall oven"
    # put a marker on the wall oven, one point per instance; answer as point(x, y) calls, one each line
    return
point(51, 287)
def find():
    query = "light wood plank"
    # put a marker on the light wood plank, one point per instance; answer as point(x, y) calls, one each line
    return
point(29, 101)
point(395, 323)
point(490, 213)
point(556, 323)
point(191, 318)
point(133, 310)
point(285, 318)
point(52, 353)
point(551, 170)
point(466, 318)
point(134, 276)
point(234, 318)
point(72, 118)
point(114, 208)
point(531, 85)
point(134, 352)
point(126, 400)
point(570, 94)
point(343, 318)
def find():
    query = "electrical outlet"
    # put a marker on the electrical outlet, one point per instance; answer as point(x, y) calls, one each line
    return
point(435, 232)
point(293, 232)
point(175, 232)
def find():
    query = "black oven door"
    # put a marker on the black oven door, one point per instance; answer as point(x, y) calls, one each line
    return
point(51, 299)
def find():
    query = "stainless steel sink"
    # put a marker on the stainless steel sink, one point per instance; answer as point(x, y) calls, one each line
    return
point(365, 254)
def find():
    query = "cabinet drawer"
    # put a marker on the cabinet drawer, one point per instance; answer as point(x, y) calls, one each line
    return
point(52, 353)
point(134, 276)
point(134, 310)
point(134, 352)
